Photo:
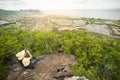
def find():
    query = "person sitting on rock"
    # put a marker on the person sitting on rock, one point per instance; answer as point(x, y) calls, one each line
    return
point(27, 62)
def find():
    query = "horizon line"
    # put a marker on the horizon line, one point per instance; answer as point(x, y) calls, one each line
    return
point(56, 9)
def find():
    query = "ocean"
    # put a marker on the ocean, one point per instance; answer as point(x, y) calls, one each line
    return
point(104, 14)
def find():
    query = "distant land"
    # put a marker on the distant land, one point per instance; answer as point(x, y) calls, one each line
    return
point(113, 14)
point(27, 10)
point(102, 22)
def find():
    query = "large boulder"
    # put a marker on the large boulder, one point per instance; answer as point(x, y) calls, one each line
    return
point(16, 70)
point(51, 67)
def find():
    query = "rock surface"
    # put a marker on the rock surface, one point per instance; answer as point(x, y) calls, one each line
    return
point(76, 78)
point(51, 67)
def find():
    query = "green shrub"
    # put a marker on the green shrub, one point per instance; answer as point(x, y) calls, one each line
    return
point(97, 56)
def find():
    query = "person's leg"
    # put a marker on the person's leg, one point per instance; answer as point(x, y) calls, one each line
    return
point(39, 58)
point(34, 61)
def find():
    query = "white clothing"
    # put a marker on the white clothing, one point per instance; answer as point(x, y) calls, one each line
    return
point(20, 55)
point(26, 61)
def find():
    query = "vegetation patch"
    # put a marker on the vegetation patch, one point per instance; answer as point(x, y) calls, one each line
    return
point(97, 55)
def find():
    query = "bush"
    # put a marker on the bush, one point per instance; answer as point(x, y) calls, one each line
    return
point(97, 55)
point(15, 41)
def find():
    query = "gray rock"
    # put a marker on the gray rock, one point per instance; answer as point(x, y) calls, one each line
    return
point(76, 78)
point(16, 70)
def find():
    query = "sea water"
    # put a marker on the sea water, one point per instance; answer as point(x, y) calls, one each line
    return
point(104, 14)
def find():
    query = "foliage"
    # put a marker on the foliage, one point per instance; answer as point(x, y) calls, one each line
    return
point(44, 41)
point(15, 41)
point(97, 55)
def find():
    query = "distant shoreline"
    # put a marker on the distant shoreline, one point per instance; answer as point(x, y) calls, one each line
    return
point(112, 14)
point(103, 14)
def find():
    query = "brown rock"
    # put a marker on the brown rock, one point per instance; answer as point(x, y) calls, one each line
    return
point(51, 67)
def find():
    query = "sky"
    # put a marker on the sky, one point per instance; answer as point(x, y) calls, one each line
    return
point(59, 4)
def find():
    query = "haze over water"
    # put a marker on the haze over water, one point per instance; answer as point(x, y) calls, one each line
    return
point(104, 14)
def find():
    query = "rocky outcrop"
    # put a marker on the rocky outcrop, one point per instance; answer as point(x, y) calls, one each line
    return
point(16, 70)
point(51, 67)
point(76, 78)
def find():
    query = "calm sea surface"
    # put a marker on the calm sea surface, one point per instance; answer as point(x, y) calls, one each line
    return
point(104, 14)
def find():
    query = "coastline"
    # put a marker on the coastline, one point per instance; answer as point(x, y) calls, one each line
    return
point(77, 13)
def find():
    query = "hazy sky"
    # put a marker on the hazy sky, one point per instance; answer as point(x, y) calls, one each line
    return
point(59, 4)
